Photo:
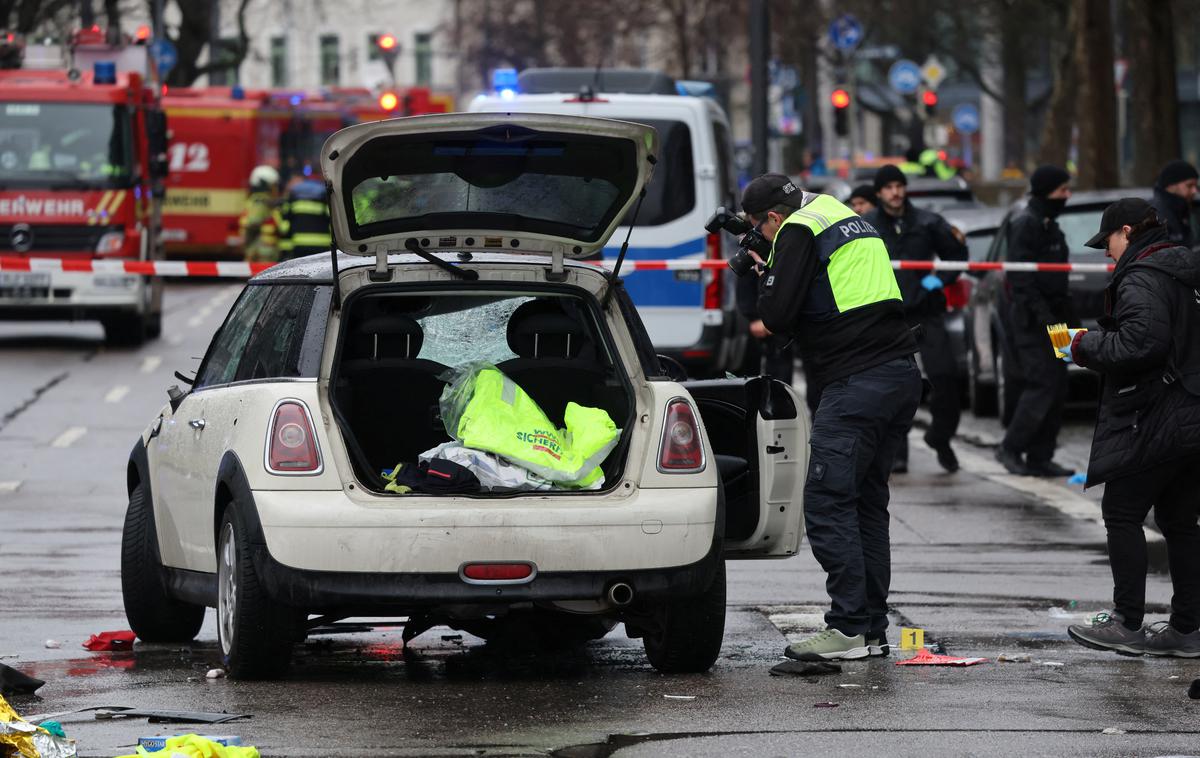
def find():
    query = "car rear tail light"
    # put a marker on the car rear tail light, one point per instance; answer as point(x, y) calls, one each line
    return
point(681, 450)
point(958, 294)
point(712, 290)
point(497, 572)
point(292, 446)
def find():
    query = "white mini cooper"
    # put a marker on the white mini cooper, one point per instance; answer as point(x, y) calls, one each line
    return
point(261, 491)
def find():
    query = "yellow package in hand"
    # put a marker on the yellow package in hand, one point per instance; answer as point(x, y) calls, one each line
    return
point(1060, 337)
point(500, 418)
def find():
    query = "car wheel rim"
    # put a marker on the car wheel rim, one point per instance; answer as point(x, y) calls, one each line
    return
point(227, 588)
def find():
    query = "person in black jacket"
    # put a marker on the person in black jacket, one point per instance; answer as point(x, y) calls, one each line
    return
point(862, 199)
point(773, 352)
point(1147, 440)
point(1173, 195)
point(1038, 299)
point(829, 284)
point(916, 234)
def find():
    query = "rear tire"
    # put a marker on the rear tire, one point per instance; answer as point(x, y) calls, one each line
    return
point(689, 630)
point(154, 616)
point(256, 634)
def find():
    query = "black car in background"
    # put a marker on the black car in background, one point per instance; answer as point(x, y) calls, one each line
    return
point(979, 227)
point(989, 353)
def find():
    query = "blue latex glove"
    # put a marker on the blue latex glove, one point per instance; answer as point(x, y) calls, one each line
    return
point(932, 282)
point(1067, 356)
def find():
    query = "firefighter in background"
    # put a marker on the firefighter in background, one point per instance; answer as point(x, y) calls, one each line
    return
point(305, 220)
point(260, 220)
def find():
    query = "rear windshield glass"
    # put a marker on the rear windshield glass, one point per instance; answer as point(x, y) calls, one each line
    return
point(1078, 225)
point(671, 192)
point(505, 178)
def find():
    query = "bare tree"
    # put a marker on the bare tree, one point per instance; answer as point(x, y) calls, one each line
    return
point(1154, 99)
point(26, 16)
point(192, 37)
point(1097, 99)
point(1055, 142)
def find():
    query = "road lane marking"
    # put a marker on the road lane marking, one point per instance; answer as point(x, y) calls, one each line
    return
point(150, 363)
point(69, 437)
point(11, 486)
point(116, 394)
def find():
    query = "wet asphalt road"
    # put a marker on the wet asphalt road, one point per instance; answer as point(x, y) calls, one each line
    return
point(984, 562)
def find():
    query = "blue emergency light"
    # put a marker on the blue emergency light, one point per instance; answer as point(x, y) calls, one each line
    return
point(296, 99)
point(504, 82)
point(237, 92)
point(104, 72)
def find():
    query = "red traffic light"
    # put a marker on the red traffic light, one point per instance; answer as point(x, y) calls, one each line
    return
point(386, 42)
point(930, 98)
point(142, 34)
point(388, 101)
point(840, 98)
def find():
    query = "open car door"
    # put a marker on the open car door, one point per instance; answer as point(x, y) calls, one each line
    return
point(758, 428)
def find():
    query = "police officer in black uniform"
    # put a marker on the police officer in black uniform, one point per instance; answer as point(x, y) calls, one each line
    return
point(1037, 300)
point(829, 284)
point(913, 233)
point(1173, 195)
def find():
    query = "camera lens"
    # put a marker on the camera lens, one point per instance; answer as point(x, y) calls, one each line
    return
point(741, 263)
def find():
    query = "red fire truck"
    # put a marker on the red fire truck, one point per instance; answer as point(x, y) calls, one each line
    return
point(219, 134)
point(81, 170)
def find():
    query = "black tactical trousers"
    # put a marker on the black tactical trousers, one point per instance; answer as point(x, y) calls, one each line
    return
point(1041, 392)
point(1173, 490)
point(856, 430)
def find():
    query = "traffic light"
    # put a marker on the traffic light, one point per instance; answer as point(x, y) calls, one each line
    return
point(389, 50)
point(388, 101)
point(841, 112)
point(929, 101)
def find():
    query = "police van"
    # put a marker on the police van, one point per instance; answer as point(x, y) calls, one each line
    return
point(691, 315)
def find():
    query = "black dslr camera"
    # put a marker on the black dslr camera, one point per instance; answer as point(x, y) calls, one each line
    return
point(752, 239)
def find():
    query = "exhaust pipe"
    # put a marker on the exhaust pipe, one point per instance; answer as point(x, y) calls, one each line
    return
point(619, 593)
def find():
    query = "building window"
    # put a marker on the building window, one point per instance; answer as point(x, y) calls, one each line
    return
point(226, 57)
point(330, 60)
point(373, 53)
point(423, 50)
point(279, 71)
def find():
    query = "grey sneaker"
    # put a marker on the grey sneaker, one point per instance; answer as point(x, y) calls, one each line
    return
point(878, 647)
point(829, 645)
point(1163, 639)
point(1108, 632)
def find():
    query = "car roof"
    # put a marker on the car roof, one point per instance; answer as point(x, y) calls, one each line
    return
point(1088, 198)
point(318, 267)
point(971, 220)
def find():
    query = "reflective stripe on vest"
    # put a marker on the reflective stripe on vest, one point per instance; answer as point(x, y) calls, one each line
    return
point(314, 207)
point(855, 258)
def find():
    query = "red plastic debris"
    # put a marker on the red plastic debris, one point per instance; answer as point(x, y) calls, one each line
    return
point(926, 658)
point(122, 640)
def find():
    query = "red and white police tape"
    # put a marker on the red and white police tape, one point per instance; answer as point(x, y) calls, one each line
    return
point(243, 269)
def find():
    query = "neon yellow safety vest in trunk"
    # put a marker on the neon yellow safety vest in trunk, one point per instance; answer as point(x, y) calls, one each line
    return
point(485, 410)
point(856, 259)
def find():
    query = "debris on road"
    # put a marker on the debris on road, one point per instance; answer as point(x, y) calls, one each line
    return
point(195, 746)
point(171, 717)
point(850, 686)
point(153, 744)
point(26, 739)
point(111, 641)
point(827, 704)
point(215, 674)
point(1112, 730)
point(1014, 658)
point(1052, 664)
point(680, 697)
point(53, 644)
point(13, 682)
point(926, 658)
point(1194, 690)
point(802, 668)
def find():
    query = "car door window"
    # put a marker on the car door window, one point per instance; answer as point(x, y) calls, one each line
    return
point(273, 346)
point(225, 353)
point(999, 251)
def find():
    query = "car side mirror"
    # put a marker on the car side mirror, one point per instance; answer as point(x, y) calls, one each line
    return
point(176, 396)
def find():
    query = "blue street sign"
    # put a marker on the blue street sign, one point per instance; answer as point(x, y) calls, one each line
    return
point(845, 32)
point(966, 118)
point(904, 76)
point(164, 55)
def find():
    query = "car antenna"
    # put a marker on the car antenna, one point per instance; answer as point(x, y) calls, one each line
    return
point(612, 277)
point(461, 273)
point(333, 248)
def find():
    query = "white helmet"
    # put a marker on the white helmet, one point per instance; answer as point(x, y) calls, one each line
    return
point(263, 177)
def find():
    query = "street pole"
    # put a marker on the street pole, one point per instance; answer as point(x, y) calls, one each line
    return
point(214, 40)
point(157, 19)
point(760, 53)
point(852, 114)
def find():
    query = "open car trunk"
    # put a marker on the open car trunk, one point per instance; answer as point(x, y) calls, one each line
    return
point(400, 347)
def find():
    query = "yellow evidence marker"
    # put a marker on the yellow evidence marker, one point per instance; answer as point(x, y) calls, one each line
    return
point(912, 639)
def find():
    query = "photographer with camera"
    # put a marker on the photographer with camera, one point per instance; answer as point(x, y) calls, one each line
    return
point(827, 282)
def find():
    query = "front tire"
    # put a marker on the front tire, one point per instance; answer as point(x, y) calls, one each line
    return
point(256, 634)
point(689, 631)
point(125, 329)
point(154, 616)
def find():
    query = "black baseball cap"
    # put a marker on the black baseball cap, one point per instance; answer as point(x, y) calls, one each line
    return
point(1127, 211)
point(768, 191)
